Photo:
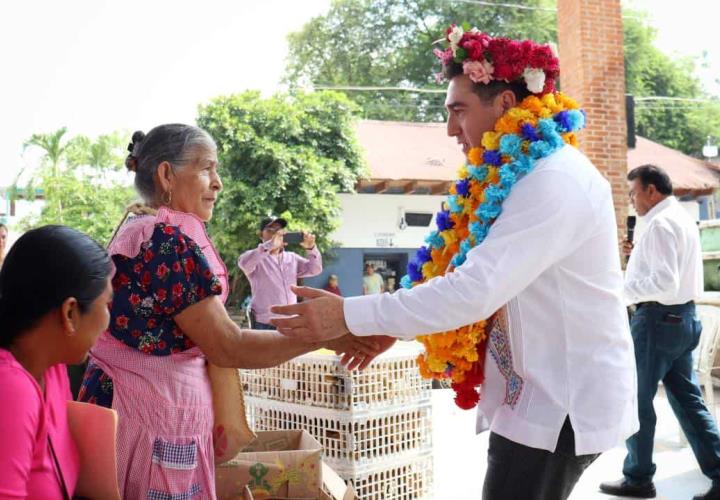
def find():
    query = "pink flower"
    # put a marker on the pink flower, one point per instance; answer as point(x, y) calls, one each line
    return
point(478, 71)
point(445, 56)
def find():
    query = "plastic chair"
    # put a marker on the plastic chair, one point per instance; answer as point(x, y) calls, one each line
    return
point(705, 363)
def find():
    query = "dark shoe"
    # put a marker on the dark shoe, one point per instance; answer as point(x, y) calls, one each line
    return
point(711, 494)
point(622, 488)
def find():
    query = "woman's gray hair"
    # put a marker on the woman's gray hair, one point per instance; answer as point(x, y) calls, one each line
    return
point(174, 143)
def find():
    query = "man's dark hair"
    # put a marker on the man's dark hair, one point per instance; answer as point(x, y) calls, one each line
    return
point(487, 92)
point(650, 174)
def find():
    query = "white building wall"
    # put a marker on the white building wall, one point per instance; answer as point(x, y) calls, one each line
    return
point(374, 220)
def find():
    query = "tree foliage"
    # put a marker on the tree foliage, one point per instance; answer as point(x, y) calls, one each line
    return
point(287, 155)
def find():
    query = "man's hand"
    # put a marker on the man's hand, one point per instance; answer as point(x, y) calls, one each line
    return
point(358, 352)
point(319, 319)
point(308, 242)
point(627, 248)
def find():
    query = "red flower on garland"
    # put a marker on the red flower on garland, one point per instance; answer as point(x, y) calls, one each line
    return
point(122, 321)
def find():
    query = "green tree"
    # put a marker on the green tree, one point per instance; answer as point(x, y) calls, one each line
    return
point(287, 155)
point(682, 125)
point(82, 183)
point(390, 42)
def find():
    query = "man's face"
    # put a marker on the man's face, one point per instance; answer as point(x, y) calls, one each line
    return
point(469, 117)
point(270, 230)
point(642, 198)
point(370, 270)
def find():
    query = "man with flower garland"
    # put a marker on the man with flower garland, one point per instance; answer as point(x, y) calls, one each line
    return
point(522, 277)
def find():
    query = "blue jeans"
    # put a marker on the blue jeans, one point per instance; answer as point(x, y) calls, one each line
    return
point(664, 338)
point(262, 326)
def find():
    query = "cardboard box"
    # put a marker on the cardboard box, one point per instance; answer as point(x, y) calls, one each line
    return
point(279, 464)
point(334, 488)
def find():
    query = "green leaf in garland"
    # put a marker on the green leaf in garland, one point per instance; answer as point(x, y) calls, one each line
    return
point(460, 55)
point(466, 26)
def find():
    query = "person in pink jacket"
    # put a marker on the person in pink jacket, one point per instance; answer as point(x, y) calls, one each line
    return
point(54, 292)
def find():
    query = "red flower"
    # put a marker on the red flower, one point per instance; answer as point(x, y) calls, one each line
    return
point(136, 333)
point(175, 350)
point(151, 323)
point(177, 333)
point(177, 289)
point(168, 230)
point(208, 274)
point(156, 308)
point(161, 295)
point(123, 279)
point(146, 278)
point(189, 265)
point(148, 256)
point(146, 348)
point(162, 271)
point(177, 301)
point(162, 345)
point(182, 245)
point(135, 299)
point(216, 288)
point(169, 311)
point(137, 267)
point(122, 321)
point(176, 266)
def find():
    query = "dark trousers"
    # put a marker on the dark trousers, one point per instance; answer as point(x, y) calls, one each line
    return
point(664, 338)
point(518, 472)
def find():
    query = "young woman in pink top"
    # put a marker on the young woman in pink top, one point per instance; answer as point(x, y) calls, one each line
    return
point(54, 295)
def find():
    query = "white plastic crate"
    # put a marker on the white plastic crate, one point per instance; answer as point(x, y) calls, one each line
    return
point(352, 441)
point(318, 379)
point(409, 479)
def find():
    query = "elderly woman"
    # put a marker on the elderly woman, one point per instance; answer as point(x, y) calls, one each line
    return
point(168, 320)
point(50, 314)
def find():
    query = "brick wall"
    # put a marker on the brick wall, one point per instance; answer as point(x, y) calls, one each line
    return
point(590, 39)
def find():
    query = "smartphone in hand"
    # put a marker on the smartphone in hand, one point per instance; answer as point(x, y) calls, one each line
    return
point(294, 237)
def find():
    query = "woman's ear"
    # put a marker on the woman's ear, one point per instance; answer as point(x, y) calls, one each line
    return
point(165, 177)
point(69, 313)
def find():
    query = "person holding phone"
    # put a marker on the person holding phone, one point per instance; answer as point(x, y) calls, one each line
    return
point(271, 270)
point(664, 277)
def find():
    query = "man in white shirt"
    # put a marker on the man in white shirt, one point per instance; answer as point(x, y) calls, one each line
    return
point(372, 281)
point(566, 390)
point(663, 278)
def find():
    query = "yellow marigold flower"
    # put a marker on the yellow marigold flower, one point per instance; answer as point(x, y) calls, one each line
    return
point(570, 138)
point(567, 101)
point(462, 172)
point(449, 237)
point(491, 140)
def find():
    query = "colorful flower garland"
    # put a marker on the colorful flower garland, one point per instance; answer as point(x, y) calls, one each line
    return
point(533, 130)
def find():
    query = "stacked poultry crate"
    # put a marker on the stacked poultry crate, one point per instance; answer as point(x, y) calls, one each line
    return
point(375, 425)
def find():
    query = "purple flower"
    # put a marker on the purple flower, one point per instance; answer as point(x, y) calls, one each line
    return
point(414, 271)
point(529, 132)
point(423, 255)
point(444, 221)
point(564, 120)
point(462, 187)
point(492, 158)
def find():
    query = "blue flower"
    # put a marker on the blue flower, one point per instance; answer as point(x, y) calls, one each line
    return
point(414, 271)
point(423, 255)
point(564, 121)
point(496, 194)
point(465, 246)
point(491, 157)
point(507, 176)
point(523, 164)
point(529, 132)
point(479, 230)
point(477, 173)
point(540, 149)
point(454, 205)
point(435, 240)
point(488, 211)
point(576, 119)
point(458, 260)
point(510, 145)
point(443, 221)
point(462, 187)
point(406, 282)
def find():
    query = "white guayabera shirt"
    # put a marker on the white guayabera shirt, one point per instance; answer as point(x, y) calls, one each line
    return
point(552, 259)
point(666, 263)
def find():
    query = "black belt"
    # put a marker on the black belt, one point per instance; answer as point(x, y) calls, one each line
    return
point(653, 303)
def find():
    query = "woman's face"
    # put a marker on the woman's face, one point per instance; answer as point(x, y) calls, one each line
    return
point(90, 324)
point(3, 239)
point(195, 187)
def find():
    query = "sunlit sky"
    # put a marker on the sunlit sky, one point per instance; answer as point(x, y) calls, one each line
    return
point(99, 65)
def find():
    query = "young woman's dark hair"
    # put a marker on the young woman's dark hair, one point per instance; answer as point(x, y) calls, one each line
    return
point(45, 267)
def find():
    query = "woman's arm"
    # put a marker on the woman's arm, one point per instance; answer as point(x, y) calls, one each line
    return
point(225, 344)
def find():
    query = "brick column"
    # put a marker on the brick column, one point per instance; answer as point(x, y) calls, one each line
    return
point(592, 70)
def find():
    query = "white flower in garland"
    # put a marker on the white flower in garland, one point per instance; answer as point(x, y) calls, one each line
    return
point(534, 79)
point(455, 36)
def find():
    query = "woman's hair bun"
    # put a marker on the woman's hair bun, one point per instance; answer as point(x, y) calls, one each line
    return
point(131, 161)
